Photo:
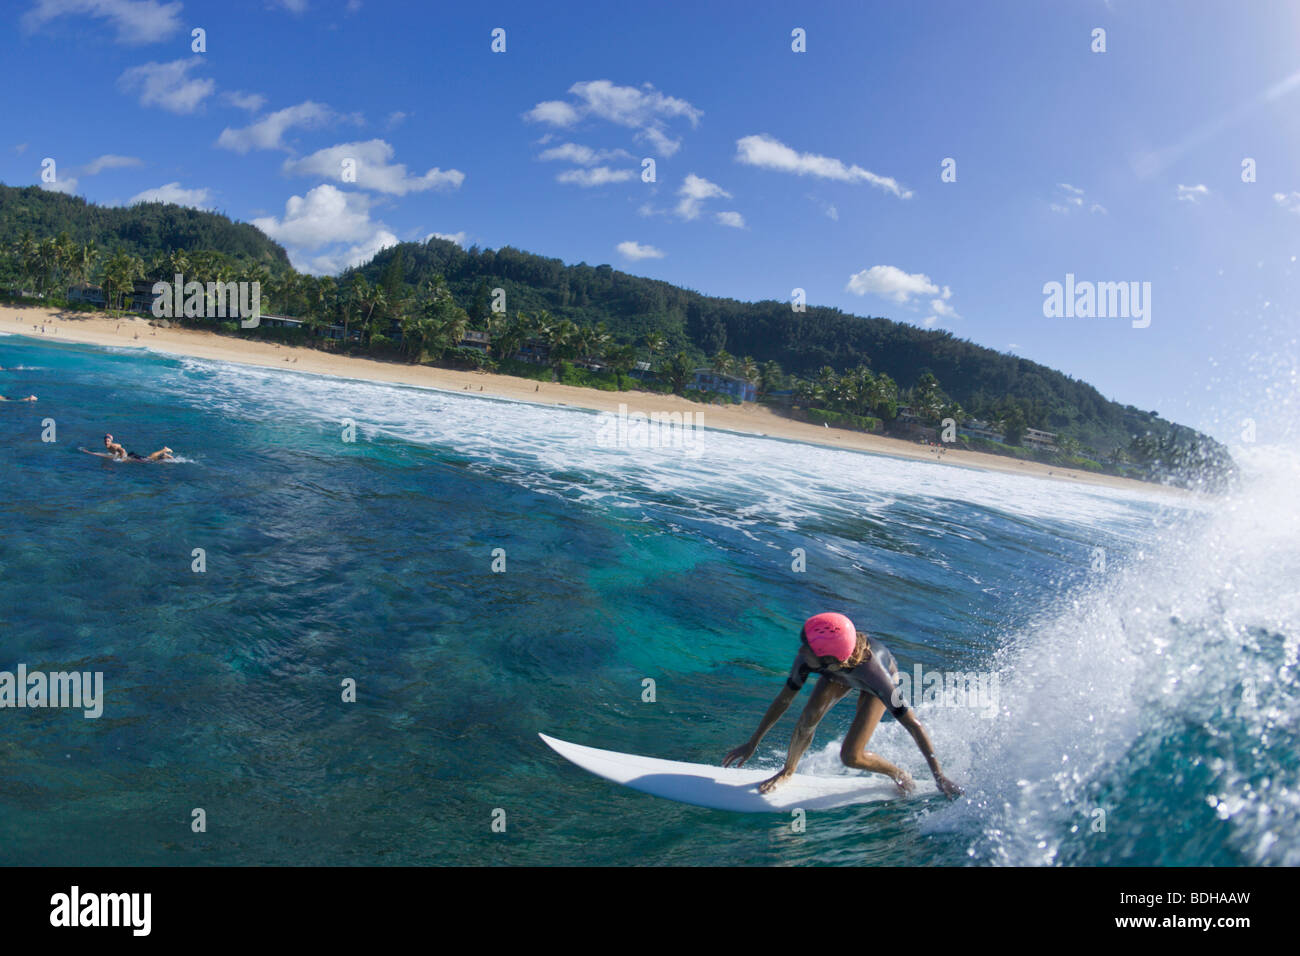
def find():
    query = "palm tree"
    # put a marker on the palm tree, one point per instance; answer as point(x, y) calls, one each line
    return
point(436, 325)
point(654, 342)
point(678, 371)
point(510, 335)
point(84, 261)
point(828, 387)
point(27, 258)
point(769, 377)
point(120, 273)
point(723, 362)
point(47, 262)
point(621, 358)
point(562, 341)
point(884, 397)
point(374, 303)
point(350, 302)
point(322, 304)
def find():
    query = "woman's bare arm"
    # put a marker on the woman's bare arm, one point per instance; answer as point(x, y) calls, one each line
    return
point(774, 713)
point(946, 786)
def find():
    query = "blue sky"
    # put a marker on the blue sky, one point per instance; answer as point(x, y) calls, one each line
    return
point(774, 169)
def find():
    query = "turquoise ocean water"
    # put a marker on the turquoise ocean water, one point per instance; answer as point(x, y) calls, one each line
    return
point(1145, 646)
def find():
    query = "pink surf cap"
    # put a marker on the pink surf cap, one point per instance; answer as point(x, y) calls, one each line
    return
point(831, 634)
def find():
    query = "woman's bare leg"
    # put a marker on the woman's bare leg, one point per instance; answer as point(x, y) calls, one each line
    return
point(854, 753)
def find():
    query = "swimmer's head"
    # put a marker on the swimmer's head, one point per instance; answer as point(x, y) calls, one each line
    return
point(831, 636)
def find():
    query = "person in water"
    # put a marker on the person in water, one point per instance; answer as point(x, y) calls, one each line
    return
point(120, 453)
point(29, 398)
point(847, 659)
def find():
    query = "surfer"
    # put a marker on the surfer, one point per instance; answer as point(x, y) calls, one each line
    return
point(120, 453)
point(29, 398)
point(847, 659)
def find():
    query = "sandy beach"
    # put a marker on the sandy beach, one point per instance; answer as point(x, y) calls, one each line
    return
point(96, 329)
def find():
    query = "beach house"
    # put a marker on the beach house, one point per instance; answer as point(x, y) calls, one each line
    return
point(974, 428)
point(709, 380)
point(1035, 438)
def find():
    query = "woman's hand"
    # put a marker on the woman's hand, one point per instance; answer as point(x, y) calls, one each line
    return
point(767, 786)
point(739, 755)
point(947, 787)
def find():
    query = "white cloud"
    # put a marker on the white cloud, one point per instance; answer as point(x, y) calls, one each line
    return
point(328, 217)
point(696, 189)
point(355, 255)
point(892, 283)
point(941, 307)
point(325, 215)
point(1069, 198)
point(173, 193)
point(635, 251)
point(68, 185)
point(582, 155)
point(598, 176)
point(1288, 201)
point(20, 148)
point(1192, 193)
point(109, 161)
point(373, 169)
point(554, 112)
point(136, 21)
point(456, 237)
point(168, 85)
point(395, 119)
point(659, 141)
point(244, 101)
point(268, 132)
point(767, 153)
point(733, 219)
point(642, 108)
point(293, 6)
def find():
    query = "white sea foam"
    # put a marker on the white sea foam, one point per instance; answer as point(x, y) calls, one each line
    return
point(1197, 639)
point(734, 479)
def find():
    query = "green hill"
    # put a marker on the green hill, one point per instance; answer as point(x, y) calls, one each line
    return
point(147, 230)
point(985, 382)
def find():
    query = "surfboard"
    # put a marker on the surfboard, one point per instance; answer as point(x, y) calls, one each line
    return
point(110, 457)
point(729, 788)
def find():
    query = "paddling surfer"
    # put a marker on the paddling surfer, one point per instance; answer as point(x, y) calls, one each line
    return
point(847, 659)
point(120, 453)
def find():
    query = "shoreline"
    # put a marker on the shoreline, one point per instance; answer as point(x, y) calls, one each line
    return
point(93, 328)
